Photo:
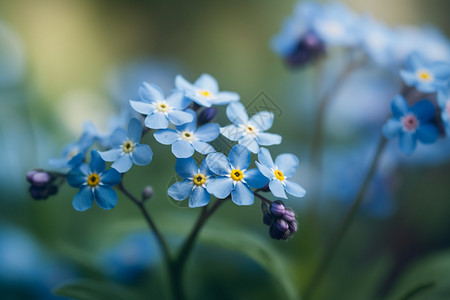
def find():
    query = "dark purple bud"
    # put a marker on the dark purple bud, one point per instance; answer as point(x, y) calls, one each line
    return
point(282, 225)
point(206, 116)
point(147, 193)
point(289, 215)
point(30, 175)
point(275, 233)
point(277, 208)
point(293, 227)
point(268, 219)
point(38, 193)
point(41, 179)
point(308, 49)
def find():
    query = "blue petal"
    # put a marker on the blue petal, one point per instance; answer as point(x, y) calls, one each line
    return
point(134, 130)
point(178, 101)
point(408, 77)
point(262, 120)
point(294, 189)
point(225, 98)
point(105, 196)
point(97, 163)
point(204, 169)
point(76, 177)
point(427, 133)
point(287, 163)
point(265, 170)
point(182, 84)
point(117, 137)
point(166, 136)
point(182, 149)
point(268, 139)
point(199, 197)
point(142, 154)
point(83, 199)
point(150, 92)
point(277, 188)
point(414, 62)
point(157, 120)
point(111, 177)
point(111, 155)
point(392, 128)
point(178, 117)
point(123, 164)
point(207, 82)
point(202, 147)
point(208, 132)
point(424, 110)
point(265, 158)
point(236, 113)
point(249, 142)
point(181, 190)
point(218, 163)
point(239, 157)
point(142, 107)
point(186, 167)
point(399, 106)
point(407, 142)
point(220, 186)
point(74, 161)
point(190, 126)
point(242, 195)
point(255, 179)
point(232, 132)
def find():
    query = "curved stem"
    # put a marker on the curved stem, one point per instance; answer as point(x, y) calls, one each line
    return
point(345, 225)
point(261, 197)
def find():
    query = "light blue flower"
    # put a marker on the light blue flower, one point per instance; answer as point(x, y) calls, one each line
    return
point(249, 132)
point(160, 110)
point(94, 183)
point(126, 149)
point(411, 124)
point(233, 176)
point(194, 182)
point(205, 91)
point(187, 138)
point(426, 77)
point(284, 167)
point(443, 98)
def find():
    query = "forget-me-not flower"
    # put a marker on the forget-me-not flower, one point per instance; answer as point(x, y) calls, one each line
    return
point(284, 167)
point(205, 91)
point(233, 176)
point(194, 182)
point(249, 132)
point(187, 138)
point(411, 124)
point(160, 110)
point(443, 98)
point(95, 184)
point(126, 149)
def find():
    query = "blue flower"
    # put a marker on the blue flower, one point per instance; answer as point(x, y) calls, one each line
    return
point(186, 138)
point(284, 167)
point(249, 132)
point(411, 124)
point(194, 183)
point(443, 98)
point(233, 176)
point(94, 184)
point(126, 148)
point(426, 77)
point(205, 91)
point(160, 110)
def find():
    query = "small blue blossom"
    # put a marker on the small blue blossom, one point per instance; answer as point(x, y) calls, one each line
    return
point(249, 132)
point(94, 184)
point(233, 176)
point(443, 98)
point(205, 91)
point(187, 139)
point(126, 149)
point(160, 110)
point(284, 167)
point(411, 124)
point(194, 183)
point(426, 77)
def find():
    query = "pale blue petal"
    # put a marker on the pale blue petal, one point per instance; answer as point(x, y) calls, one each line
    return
point(294, 189)
point(242, 195)
point(142, 107)
point(265, 170)
point(110, 177)
point(407, 142)
point(186, 167)
point(424, 110)
point(105, 196)
point(97, 163)
point(249, 142)
point(399, 106)
point(392, 128)
point(255, 179)
point(150, 92)
point(178, 117)
point(199, 197)
point(414, 62)
point(268, 139)
point(262, 120)
point(408, 77)
point(111, 155)
point(232, 132)
point(142, 154)
point(427, 133)
point(181, 190)
point(83, 199)
point(166, 136)
point(277, 188)
point(208, 132)
point(157, 120)
point(202, 147)
point(239, 157)
point(190, 126)
point(207, 82)
point(204, 169)
point(218, 163)
point(182, 149)
point(123, 164)
point(134, 130)
point(287, 163)
point(220, 186)
point(117, 137)
point(265, 158)
point(225, 98)
point(236, 113)
point(178, 101)
point(182, 84)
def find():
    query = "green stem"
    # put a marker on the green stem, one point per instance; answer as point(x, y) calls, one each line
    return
point(345, 225)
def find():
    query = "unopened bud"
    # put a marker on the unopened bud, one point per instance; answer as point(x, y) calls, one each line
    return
point(277, 208)
point(147, 193)
point(30, 175)
point(41, 179)
point(289, 215)
point(206, 116)
point(281, 225)
point(268, 219)
point(293, 227)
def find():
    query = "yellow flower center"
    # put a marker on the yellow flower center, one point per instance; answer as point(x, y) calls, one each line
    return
point(187, 135)
point(250, 129)
point(128, 146)
point(425, 75)
point(199, 179)
point(163, 107)
point(237, 175)
point(279, 175)
point(93, 180)
point(205, 93)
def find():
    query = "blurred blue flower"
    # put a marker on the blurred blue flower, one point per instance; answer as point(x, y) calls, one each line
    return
point(94, 184)
point(187, 138)
point(284, 167)
point(249, 132)
point(443, 98)
point(411, 124)
point(205, 91)
point(126, 148)
point(426, 77)
point(160, 110)
point(233, 176)
point(194, 183)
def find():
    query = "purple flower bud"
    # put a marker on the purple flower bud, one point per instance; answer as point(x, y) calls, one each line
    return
point(289, 215)
point(41, 179)
point(277, 208)
point(206, 116)
point(30, 175)
point(275, 233)
point(308, 49)
point(281, 225)
point(268, 219)
point(293, 227)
